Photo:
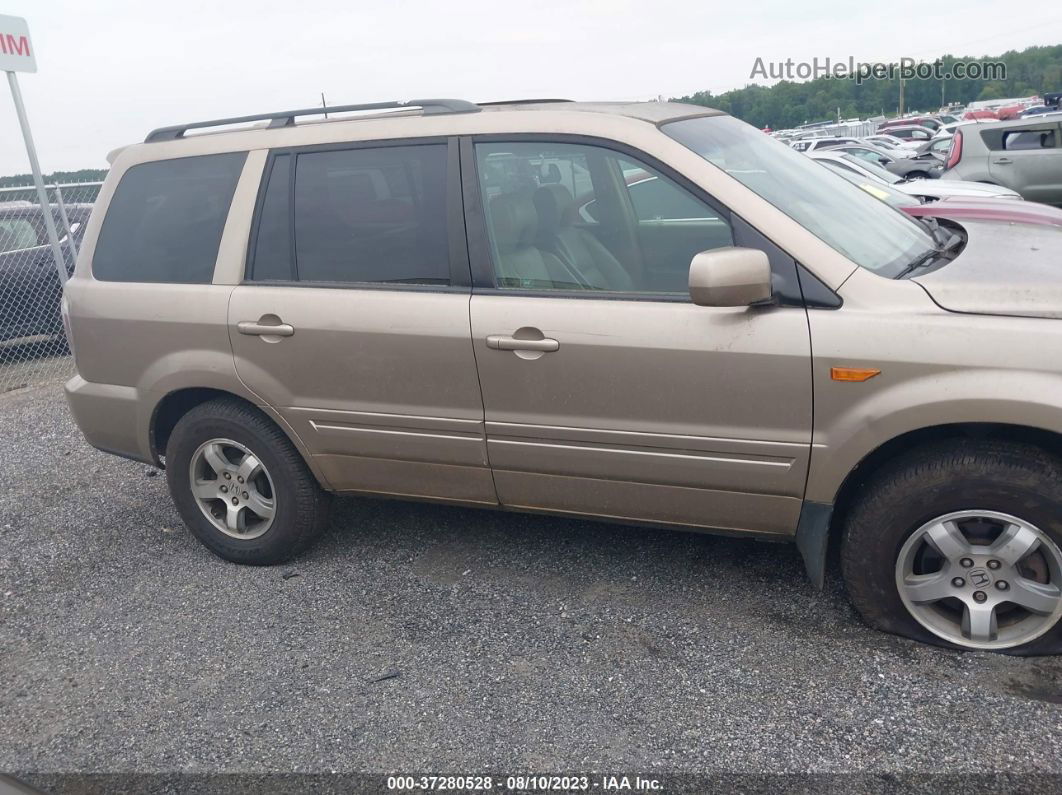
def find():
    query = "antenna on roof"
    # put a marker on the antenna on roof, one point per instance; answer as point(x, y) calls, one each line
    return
point(324, 105)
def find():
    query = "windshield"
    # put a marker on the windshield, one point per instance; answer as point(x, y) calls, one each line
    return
point(841, 215)
point(873, 168)
point(886, 193)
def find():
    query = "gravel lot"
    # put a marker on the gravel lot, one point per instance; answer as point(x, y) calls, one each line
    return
point(418, 638)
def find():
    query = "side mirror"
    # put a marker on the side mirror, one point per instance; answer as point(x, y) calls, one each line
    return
point(730, 277)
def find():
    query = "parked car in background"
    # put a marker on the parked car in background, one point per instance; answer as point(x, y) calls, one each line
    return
point(953, 208)
point(1024, 155)
point(948, 130)
point(811, 144)
point(1009, 112)
point(30, 289)
point(1040, 110)
point(980, 115)
point(928, 122)
point(937, 148)
point(897, 146)
point(913, 135)
point(904, 167)
point(922, 188)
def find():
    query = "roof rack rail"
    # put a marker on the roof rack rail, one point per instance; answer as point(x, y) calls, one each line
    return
point(523, 101)
point(286, 118)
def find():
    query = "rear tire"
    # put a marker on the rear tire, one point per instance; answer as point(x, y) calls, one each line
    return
point(903, 559)
point(241, 486)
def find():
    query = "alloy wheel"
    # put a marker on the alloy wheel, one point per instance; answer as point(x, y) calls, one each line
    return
point(981, 579)
point(232, 488)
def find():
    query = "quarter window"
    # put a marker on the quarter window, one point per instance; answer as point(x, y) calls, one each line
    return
point(165, 220)
point(1029, 139)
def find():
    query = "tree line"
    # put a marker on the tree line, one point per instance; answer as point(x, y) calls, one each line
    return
point(82, 175)
point(1034, 70)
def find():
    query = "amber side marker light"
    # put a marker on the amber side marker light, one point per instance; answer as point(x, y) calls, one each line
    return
point(853, 373)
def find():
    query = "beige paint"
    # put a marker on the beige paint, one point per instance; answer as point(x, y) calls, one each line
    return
point(662, 412)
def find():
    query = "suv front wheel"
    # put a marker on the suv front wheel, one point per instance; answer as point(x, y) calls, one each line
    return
point(241, 486)
point(960, 544)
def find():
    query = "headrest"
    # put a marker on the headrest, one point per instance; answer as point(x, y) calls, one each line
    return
point(514, 220)
point(555, 207)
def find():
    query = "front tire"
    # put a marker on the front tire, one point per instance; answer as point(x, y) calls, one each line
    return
point(960, 544)
point(241, 486)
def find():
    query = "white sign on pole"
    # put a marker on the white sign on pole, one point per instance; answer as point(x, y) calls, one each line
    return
point(16, 55)
point(16, 51)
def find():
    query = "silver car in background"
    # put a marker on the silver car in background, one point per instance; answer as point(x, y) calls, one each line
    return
point(1024, 155)
point(929, 189)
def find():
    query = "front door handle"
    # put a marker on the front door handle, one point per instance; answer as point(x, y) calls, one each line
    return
point(253, 328)
point(501, 342)
point(1002, 161)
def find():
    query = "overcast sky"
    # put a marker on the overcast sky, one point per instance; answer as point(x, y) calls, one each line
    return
point(110, 70)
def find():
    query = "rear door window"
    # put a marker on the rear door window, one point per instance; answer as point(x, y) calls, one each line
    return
point(165, 220)
point(372, 215)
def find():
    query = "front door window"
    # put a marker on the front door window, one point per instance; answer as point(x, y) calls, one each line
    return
point(566, 216)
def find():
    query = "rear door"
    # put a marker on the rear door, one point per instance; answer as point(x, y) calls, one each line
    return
point(1029, 160)
point(353, 319)
point(627, 400)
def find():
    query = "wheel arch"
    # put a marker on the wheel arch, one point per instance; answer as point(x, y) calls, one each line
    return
point(175, 404)
point(873, 461)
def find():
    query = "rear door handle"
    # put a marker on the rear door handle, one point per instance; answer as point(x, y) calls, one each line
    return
point(1002, 161)
point(501, 342)
point(255, 329)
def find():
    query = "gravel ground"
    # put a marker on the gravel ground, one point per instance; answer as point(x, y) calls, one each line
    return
point(419, 638)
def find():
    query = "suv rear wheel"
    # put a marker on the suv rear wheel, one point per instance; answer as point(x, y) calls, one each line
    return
point(241, 486)
point(960, 544)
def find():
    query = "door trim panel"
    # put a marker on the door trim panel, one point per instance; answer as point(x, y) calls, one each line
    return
point(433, 440)
point(389, 477)
point(636, 501)
point(742, 465)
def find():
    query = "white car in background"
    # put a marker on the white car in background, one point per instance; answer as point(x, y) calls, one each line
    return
point(896, 146)
point(948, 130)
point(911, 135)
point(806, 145)
point(931, 189)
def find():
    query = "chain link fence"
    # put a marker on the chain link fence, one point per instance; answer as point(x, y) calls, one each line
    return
point(33, 345)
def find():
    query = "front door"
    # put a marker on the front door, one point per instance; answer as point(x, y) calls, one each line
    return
point(606, 391)
point(353, 322)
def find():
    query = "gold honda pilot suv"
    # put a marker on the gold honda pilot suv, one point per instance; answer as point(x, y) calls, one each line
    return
point(646, 312)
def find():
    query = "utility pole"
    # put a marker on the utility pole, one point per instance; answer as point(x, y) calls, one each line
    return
point(901, 96)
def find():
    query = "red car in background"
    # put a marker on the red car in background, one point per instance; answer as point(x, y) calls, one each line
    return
point(987, 210)
point(1009, 112)
point(906, 121)
point(980, 115)
point(1012, 211)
